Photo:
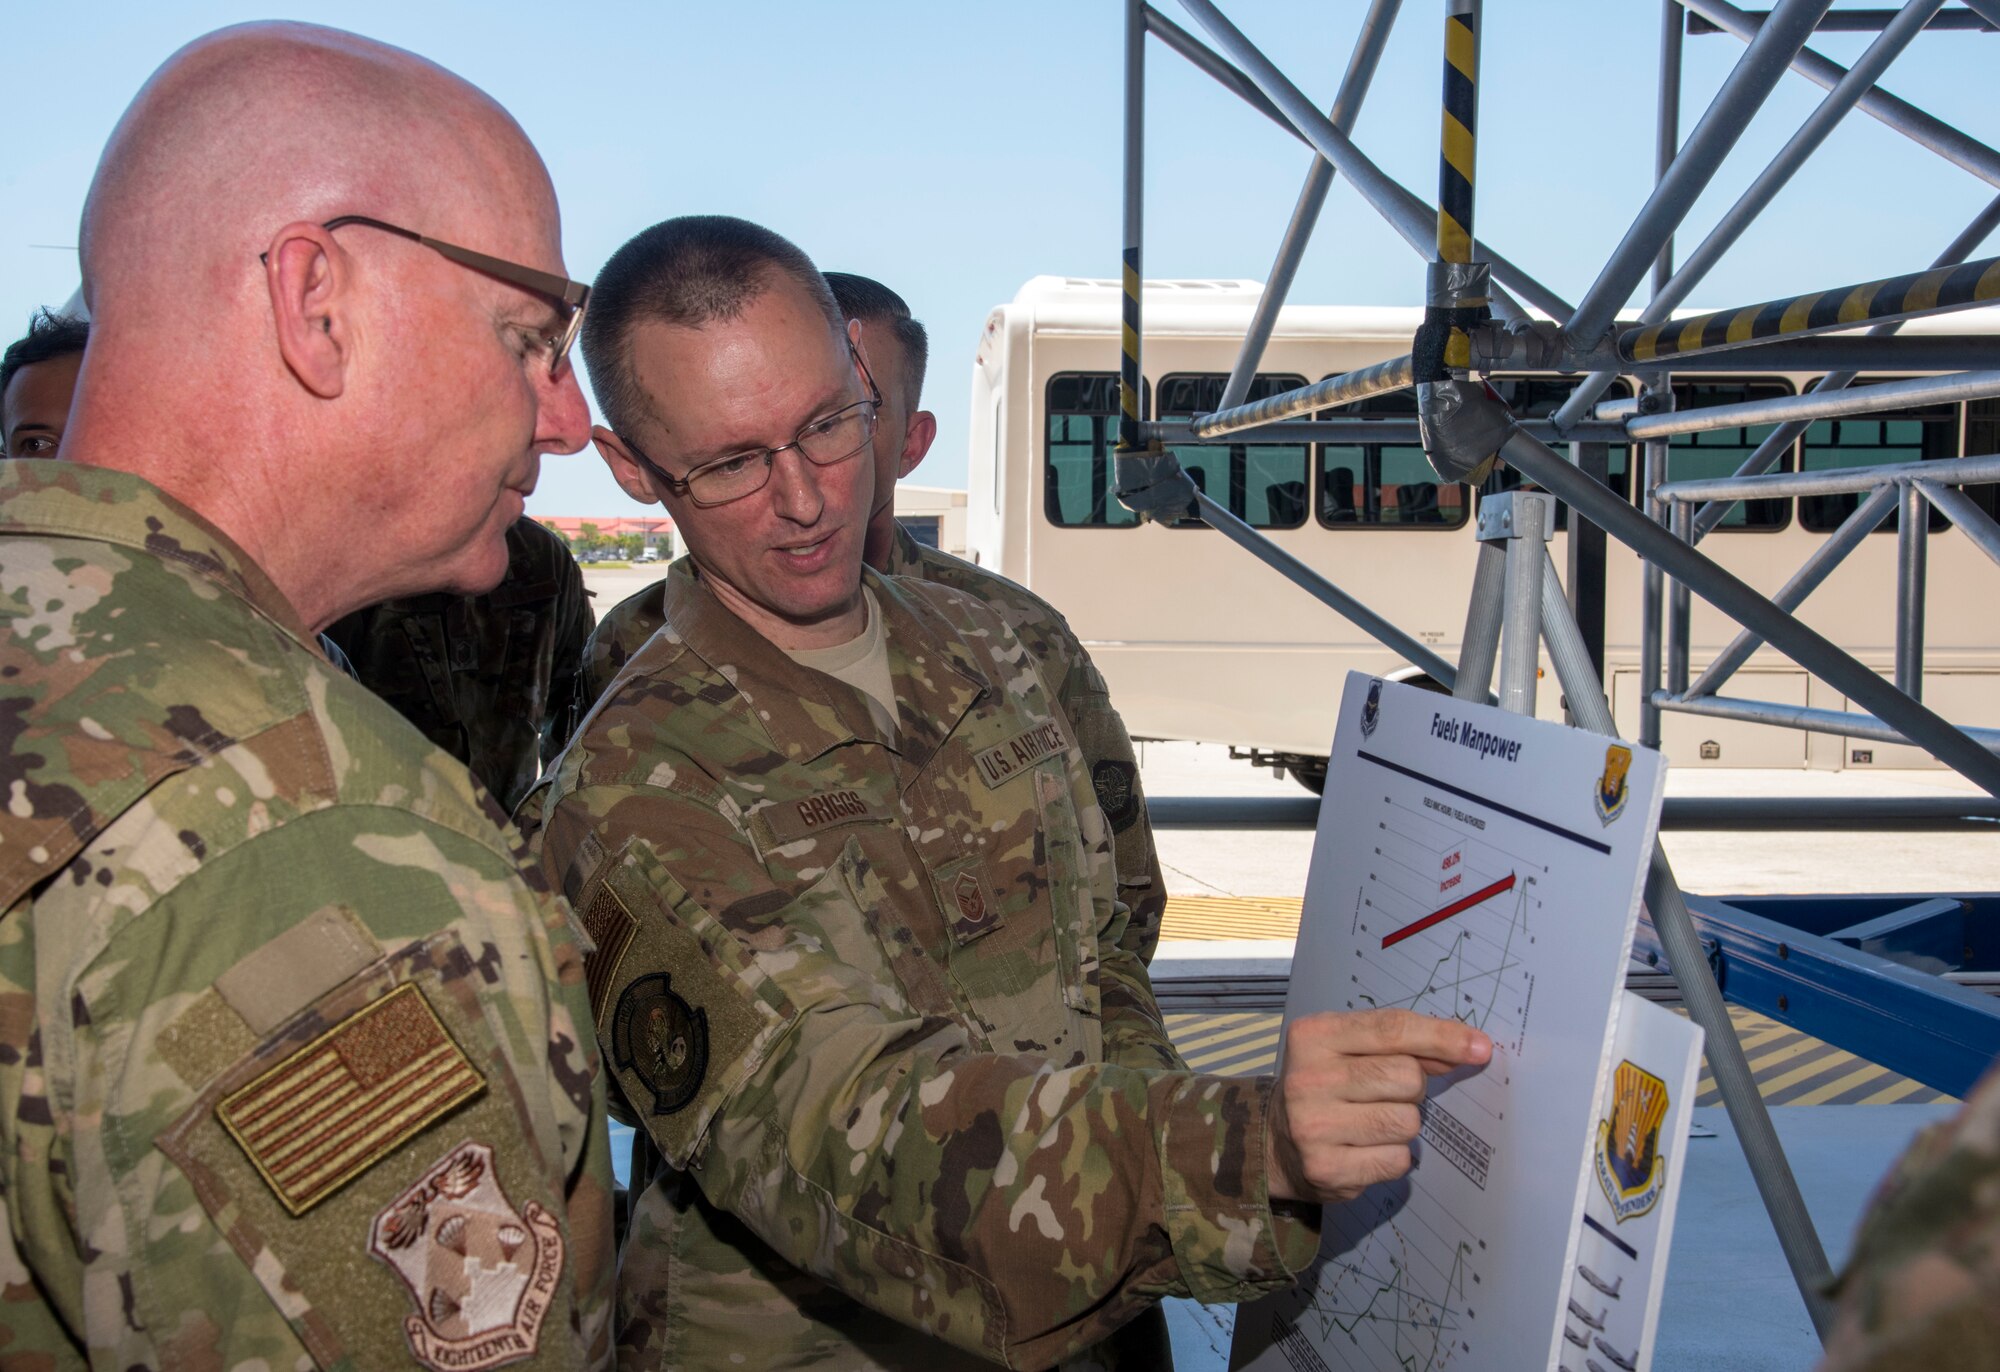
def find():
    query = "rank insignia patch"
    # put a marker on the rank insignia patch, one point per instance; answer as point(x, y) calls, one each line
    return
point(483, 1274)
point(1627, 1158)
point(661, 1039)
point(1371, 709)
point(349, 1098)
point(1612, 791)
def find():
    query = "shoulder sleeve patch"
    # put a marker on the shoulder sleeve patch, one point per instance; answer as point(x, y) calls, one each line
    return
point(296, 968)
point(610, 926)
point(349, 1098)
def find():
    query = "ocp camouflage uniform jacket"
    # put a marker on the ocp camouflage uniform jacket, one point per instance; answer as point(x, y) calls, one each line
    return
point(1066, 671)
point(293, 1060)
point(1921, 1291)
point(492, 679)
point(869, 999)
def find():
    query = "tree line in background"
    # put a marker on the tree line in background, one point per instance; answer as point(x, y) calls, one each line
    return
point(591, 541)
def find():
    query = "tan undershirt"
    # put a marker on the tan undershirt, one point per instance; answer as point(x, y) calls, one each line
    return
point(863, 663)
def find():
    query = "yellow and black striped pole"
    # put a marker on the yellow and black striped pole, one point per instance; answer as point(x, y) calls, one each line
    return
point(1134, 217)
point(1457, 146)
point(1871, 302)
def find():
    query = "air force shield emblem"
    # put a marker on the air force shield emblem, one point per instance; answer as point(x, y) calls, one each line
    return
point(1371, 709)
point(1612, 792)
point(1627, 1158)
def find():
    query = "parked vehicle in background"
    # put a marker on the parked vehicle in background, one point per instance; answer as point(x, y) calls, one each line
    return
point(1197, 645)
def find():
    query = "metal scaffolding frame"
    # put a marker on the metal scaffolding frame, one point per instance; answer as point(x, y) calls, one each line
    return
point(1475, 320)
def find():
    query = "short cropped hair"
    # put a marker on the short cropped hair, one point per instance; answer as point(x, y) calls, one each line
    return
point(688, 271)
point(871, 302)
point(50, 335)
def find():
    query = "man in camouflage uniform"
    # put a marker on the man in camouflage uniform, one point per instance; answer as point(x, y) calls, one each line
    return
point(900, 348)
point(857, 953)
point(1921, 1291)
point(492, 679)
point(296, 1068)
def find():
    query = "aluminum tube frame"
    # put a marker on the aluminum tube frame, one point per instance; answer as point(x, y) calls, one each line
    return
point(1927, 130)
point(1652, 603)
point(1859, 80)
point(1374, 37)
point(1321, 589)
point(1912, 560)
point(1212, 64)
point(1743, 93)
point(1403, 210)
point(1667, 909)
point(1179, 431)
point(1978, 526)
point(1680, 607)
point(1774, 444)
point(1397, 374)
point(1525, 519)
point(1811, 573)
point(1888, 395)
point(1963, 471)
point(1804, 645)
point(1783, 716)
point(1131, 384)
point(1479, 648)
point(1667, 124)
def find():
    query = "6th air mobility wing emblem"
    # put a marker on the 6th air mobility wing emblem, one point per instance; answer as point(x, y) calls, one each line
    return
point(1628, 1161)
point(1612, 793)
point(1371, 709)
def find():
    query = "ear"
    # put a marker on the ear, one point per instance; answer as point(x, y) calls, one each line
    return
point(310, 282)
point(917, 440)
point(630, 474)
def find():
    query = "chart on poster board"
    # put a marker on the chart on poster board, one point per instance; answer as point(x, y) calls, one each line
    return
point(1485, 866)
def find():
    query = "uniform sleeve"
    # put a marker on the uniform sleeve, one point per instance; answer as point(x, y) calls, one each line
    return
point(568, 702)
point(1013, 1208)
point(366, 1129)
point(1922, 1288)
point(1114, 776)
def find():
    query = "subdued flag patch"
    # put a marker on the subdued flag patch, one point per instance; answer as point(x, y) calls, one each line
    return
point(344, 1101)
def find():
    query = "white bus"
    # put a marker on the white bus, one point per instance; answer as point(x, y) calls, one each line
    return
point(1199, 641)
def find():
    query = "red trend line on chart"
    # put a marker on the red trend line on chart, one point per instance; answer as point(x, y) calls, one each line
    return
point(1457, 907)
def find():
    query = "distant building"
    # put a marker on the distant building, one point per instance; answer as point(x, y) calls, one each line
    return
point(656, 533)
point(934, 515)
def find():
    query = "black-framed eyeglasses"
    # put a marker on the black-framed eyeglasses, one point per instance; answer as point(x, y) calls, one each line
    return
point(572, 297)
point(824, 442)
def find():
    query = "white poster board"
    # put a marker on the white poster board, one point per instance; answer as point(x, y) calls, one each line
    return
point(1636, 1161)
point(1484, 865)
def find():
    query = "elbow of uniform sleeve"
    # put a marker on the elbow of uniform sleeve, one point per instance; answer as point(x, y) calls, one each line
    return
point(1231, 1242)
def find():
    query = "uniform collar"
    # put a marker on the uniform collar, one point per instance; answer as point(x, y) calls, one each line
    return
point(805, 713)
point(905, 553)
point(70, 500)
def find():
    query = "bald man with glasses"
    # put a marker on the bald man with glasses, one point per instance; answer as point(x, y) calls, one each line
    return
point(297, 1065)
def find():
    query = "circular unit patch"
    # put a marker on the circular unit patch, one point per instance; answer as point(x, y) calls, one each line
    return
point(662, 1040)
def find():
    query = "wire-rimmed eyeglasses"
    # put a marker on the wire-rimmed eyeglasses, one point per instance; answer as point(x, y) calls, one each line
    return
point(824, 442)
point(569, 296)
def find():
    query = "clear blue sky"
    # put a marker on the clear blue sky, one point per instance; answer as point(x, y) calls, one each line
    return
point(954, 150)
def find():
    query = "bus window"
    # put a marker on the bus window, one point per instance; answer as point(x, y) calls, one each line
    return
point(1719, 452)
point(1082, 431)
point(1923, 434)
point(1378, 485)
point(1538, 397)
point(1262, 484)
point(1982, 438)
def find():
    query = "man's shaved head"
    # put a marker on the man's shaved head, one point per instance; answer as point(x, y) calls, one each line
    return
point(356, 410)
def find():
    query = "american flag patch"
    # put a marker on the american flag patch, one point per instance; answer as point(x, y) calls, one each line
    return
point(337, 1106)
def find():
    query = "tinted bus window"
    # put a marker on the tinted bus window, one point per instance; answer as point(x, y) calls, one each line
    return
point(1378, 485)
point(1078, 485)
point(1538, 397)
point(1262, 484)
point(1924, 434)
point(1719, 452)
point(1982, 439)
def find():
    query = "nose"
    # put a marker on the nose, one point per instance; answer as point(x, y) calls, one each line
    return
point(795, 493)
point(563, 423)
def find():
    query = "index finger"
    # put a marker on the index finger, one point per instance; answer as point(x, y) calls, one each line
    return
point(1448, 1043)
